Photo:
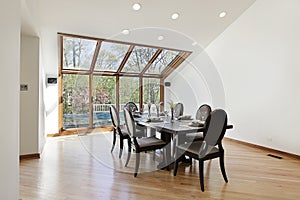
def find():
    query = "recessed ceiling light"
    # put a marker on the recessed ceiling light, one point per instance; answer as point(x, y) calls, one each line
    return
point(136, 6)
point(175, 16)
point(125, 31)
point(222, 14)
point(161, 37)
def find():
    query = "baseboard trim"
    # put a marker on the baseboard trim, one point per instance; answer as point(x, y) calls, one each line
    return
point(30, 156)
point(275, 151)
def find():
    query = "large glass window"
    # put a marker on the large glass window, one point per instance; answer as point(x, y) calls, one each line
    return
point(111, 71)
point(129, 91)
point(151, 90)
point(151, 93)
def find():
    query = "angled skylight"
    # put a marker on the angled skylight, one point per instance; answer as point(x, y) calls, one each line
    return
point(110, 56)
point(78, 53)
point(162, 61)
point(138, 59)
point(88, 55)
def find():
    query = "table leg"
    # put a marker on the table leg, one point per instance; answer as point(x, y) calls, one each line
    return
point(166, 137)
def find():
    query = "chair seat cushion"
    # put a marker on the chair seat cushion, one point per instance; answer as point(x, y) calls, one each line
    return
point(194, 148)
point(147, 142)
point(140, 133)
point(125, 133)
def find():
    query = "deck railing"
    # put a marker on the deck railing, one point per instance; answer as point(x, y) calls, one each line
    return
point(105, 107)
point(101, 117)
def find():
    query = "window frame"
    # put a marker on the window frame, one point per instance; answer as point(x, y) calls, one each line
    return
point(179, 58)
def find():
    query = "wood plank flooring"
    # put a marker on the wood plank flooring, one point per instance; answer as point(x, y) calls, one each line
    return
point(82, 168)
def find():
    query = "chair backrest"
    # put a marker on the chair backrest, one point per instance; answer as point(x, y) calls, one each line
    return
point(216, 127)
point(178, 110)
point(131, 106)
point(114, 116)
point(203, 112)
point(129, 121)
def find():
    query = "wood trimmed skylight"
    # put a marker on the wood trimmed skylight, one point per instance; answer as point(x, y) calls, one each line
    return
point(111, 58)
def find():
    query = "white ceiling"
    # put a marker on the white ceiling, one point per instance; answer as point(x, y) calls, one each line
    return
point(106, 18)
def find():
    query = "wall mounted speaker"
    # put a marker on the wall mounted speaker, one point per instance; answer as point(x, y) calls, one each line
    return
point(167, 84)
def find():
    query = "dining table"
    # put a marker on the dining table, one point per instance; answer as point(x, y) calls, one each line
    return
point(168, 130)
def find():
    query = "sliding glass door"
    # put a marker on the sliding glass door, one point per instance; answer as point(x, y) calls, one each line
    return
point(104, 95)
point(75, 101)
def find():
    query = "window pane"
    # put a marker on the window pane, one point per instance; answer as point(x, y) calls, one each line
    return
point(110, 56)
point(151, 92)
point(78, 53)
point(161, 62)
point(129, 91)
point(138, 59)
point(75, 101)
point(104, 96)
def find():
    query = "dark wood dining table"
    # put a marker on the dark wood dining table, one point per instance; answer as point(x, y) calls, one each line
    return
point(168, 130)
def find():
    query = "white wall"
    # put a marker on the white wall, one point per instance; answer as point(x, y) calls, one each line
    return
point(49, 61)
point(29, 100)
point(196, 82)
point(258, 57)
point(9, 101)
point(42, 112)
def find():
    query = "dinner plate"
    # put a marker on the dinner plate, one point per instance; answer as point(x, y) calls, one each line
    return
point(137, 115)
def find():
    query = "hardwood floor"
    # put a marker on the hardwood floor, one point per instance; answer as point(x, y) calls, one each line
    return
point(82, 167)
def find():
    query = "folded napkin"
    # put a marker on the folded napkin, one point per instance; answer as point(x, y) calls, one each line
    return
point(153, 119)
point(185, 117)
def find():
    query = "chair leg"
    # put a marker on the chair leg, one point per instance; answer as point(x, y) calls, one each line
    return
point(137, 163)
point(129, 152)
point(121, 147)
point(201, 163)
point(222, 166)
point(190, 160)
point(175, 168)
point(114, 141)
point(154, 155)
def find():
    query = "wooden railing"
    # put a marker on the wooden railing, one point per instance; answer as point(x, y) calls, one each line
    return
point(105, 107)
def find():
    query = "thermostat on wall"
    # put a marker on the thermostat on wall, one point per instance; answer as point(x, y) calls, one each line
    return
point(51, 81)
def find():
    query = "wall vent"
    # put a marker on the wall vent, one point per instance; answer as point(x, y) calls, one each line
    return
point(274, 156)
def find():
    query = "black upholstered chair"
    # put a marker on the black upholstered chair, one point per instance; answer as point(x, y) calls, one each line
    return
point(178, 110)
point(141, 144)
point(210, 148)
point(202, 113)
point(131, 106)
point(118, 131)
